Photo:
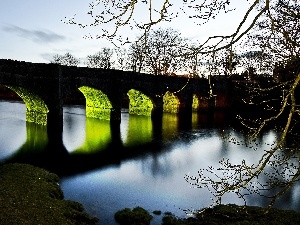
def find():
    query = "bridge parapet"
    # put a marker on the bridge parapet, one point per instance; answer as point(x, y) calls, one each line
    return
point(28, 69)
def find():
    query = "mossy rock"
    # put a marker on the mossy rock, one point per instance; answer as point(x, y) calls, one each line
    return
point(156, 212)
point(136, 216)
point(31, 195)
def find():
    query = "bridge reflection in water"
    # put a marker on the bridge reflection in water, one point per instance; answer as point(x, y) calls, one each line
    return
point(97, 136)
point(88, 143)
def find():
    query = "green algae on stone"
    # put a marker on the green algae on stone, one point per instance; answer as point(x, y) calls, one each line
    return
point(195, 104)
point(139, 103)
point(171, 103)
point(36, 109)
point(98, 104)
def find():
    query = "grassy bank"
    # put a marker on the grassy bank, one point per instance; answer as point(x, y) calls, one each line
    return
point(30, 195)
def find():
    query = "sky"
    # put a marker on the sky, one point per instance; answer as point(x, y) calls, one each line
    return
point(33, 30)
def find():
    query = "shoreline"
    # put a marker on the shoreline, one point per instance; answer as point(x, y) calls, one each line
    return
point(32, 195)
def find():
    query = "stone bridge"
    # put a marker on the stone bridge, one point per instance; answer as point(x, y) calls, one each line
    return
point(45, 87)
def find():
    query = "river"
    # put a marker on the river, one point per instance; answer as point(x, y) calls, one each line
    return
point(146, 170)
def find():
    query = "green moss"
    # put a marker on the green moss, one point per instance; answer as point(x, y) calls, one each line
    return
point(171, 103)
point(139, 103)
point(36, 109)
point(195, 104)
point(137, 216)
point(30, 195)
point(97, 103)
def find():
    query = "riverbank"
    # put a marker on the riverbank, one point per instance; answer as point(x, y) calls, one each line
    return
point(230, 214)
point(31, 195)
point(237, 215)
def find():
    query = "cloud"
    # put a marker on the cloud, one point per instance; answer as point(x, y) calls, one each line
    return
point(34, 35)
point(47, 56)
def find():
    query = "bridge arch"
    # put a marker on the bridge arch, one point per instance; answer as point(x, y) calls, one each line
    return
point(98, 104)
point(171, 103)
point(139, 103)
point(195, 104)
point(204, 101)
point(36, 108)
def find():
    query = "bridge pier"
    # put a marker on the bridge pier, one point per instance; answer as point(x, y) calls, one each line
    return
point(115, 120)
point(54, 132)
point(115, 97)
point(55, 126)
point(157, 110)
point(185, 110)
point(156, 117)
point(52, 95)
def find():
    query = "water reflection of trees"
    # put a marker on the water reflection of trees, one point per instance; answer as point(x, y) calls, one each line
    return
point(275, 171)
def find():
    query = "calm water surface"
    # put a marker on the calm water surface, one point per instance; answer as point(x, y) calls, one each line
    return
point(147, 171)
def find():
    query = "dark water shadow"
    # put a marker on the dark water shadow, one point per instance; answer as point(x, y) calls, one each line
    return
point(104, 146)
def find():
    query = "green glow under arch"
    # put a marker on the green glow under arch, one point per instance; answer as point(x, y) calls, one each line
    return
point(36, 140)
point(195, 104)
point(97, 103)
point(139, 131)
point(170, 126)
point(97, 136)
point(139, 104)
point(36, 109)
point(171, 103)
